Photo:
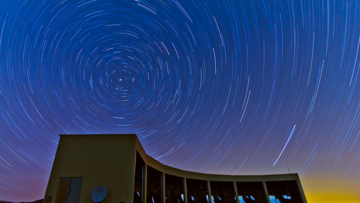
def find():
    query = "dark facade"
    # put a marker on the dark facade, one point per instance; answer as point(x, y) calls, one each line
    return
point(119, 163)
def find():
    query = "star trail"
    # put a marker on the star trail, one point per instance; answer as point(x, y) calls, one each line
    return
point(226, 87)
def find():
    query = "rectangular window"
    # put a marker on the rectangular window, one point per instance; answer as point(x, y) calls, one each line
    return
point(69, 190)
point(174, 189)
point(284, 191)
point(139, 177)
point(197, 191)
point(222, 192)
point(154, 185)
point(251, 192)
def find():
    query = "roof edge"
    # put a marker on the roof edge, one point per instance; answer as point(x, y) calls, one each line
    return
point(61, 135)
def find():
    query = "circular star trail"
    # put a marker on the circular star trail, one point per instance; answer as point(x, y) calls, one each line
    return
point(227, 87)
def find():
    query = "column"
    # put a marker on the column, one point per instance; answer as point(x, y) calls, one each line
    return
point(266, 192)
point(163, 188)
point(236, 193)
point(301, 191)
point(209, 191)
point(144, 191)
point(185, 191)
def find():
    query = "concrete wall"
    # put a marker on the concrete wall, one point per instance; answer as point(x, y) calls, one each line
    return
point(107, 160)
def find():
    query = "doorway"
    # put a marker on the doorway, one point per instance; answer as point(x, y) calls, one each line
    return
point(69, 190)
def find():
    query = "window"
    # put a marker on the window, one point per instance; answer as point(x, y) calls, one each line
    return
point(139, 179)
point(154, 185)
point(197, 191)
point(251, 192)
point(284, 191)
point(174, 189)
point(222, 192)
point(69, 190)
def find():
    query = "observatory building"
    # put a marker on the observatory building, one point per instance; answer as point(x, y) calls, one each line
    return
point(115, 168)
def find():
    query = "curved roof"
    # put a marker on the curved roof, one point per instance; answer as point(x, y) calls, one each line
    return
point(205, 176)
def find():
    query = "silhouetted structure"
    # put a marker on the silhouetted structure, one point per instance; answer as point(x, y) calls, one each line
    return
point(120, 163)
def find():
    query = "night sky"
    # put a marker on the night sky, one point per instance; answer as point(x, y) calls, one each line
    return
point(228, 87)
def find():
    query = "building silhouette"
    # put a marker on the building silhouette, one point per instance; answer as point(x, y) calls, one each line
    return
point(119, 163)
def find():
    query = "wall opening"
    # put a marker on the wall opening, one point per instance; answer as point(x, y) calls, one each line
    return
point(174, 189)
point(197, 191)
point(154, 180)
point(139, 179)
point(251, 192)
point(222, 192)
point(284, 191)
point(69, 190)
